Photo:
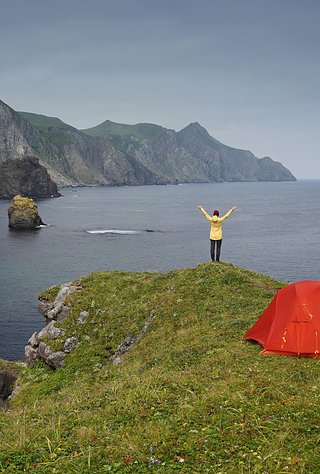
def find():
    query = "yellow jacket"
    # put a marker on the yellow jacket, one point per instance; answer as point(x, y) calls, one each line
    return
point(216, 227)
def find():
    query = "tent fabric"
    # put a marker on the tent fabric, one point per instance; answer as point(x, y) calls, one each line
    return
point(291, 323)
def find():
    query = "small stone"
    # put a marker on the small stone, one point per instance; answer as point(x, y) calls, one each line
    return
point(70, 343)
point(63, 313)
point(31, 355)
point(44, 351)
point(44, 307)
point(14, 392)
point(34, 341)
point(50, 331)
point(65, 290)
point(82, 317)
point(56, 359)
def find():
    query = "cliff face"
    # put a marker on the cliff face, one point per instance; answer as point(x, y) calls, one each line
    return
point(118, 154)
point(190, 155)
point(19, 138)
point(27, 177)
point(70, 156)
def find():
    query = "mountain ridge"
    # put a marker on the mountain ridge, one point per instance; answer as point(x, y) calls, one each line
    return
point(122, 154)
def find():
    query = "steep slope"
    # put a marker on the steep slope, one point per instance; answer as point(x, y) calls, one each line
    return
point(91, 160)
point(147, 131)
point(51, 127)
point(19, 138)
point(187, 394)
point(190, 155)
point(231, 164)
point(70, 156)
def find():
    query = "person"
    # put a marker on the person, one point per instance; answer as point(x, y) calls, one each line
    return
point(215, 231)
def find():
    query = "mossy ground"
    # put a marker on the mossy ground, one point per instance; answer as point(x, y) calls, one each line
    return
point(190, 396)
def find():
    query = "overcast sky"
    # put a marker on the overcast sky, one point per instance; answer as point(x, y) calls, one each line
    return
point(247, 70)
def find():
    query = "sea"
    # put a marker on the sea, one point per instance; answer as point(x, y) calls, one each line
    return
point(275, 231)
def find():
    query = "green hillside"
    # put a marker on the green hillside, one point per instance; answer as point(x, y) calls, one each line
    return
point(189, 396)
point(51, 127)
point(140, 130)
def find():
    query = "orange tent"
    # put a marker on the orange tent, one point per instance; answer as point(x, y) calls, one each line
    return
point(291, 323)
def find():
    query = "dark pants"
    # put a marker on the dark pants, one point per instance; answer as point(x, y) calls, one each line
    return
point(215, 243)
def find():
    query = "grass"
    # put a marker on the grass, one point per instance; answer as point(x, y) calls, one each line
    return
point(190, 396)
point(147, 131)
point(50, 127)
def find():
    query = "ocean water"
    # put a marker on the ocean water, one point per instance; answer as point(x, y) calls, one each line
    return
point(275, 231)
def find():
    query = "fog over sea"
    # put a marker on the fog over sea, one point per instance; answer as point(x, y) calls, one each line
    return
point(275, 231)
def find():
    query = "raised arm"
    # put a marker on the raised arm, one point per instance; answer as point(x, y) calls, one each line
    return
point(206, 215)
point(227, 215)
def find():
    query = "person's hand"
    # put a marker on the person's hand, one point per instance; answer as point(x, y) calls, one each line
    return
point(234, 208)
point(199, 207)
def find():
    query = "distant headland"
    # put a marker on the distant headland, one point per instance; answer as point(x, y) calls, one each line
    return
point(118, 154)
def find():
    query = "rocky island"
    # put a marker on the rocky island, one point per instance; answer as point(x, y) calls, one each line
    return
point(23, 214)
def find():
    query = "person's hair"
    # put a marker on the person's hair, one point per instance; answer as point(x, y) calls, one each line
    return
point(216, 213)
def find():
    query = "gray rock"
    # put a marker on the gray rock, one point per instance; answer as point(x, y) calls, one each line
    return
point(58, 305)
point(44, 351)
point(63, 314)
point(34, 341)
point(7, 381)
point(44, 308)
point(26, 176)
point(31, 354)
point(56, 359)
point(82, 317)
point(70, 343)
point(14, 392)
point(122, 349)
point(51, 331)
point(53, 312)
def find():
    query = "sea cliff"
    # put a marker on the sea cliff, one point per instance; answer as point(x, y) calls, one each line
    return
point(119, 154)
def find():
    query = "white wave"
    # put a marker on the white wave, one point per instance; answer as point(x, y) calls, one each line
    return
point(114, 231)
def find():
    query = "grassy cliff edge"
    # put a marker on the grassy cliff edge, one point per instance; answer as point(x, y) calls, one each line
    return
point(188, 396)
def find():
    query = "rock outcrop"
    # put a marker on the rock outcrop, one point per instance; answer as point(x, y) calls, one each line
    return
point(38, 346)
point(7, 381)
point(23, 214)
point(26, 176)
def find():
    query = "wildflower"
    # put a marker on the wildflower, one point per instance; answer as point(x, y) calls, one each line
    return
point(154, 460)
point(128, 459)
point(181, 460)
